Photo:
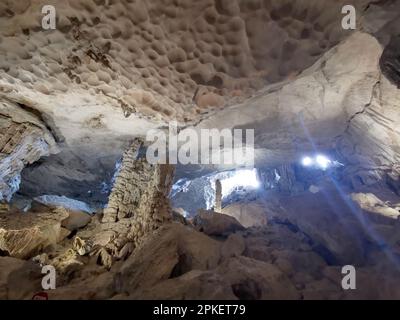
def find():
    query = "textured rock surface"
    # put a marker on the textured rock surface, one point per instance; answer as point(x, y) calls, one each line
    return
point(216, 224)
point(284, 118)
point(172, 251)
point(22, 235)
point(390, 61)
point(248, 214)
point(7, 265)
point(76, 220)
point(138, 204)
point(370, 202)
point(112, 70)
point(23, 140)
point(129, 186)
point(156, 57)
point(97, 82)
point(276, 261)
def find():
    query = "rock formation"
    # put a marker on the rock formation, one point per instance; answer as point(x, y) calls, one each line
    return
point(23, 235)
point(389, 62)
point(77, 192)
point(24, 139)
point(218, 196)
point(138, 204)
point(168, 61)
point(123, 200)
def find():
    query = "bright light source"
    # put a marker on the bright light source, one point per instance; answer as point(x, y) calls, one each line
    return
point(307, 161)
point(319, 161)
point(323, 162)
point(241, 178)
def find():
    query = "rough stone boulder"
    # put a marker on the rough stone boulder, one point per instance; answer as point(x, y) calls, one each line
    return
point(23, 235)
point(254, 280)
point(248, 214)
point(173, 250)
point(76, 220)
point(337, 235)
point(196, 284)
point(233, 246)
point(236, 278)
point(86, 288)
point(291, 261)
point(216, 224)
point(374, 282)
point(371, 203)
point(19, 279)
point(7, 265)
point(77, 215)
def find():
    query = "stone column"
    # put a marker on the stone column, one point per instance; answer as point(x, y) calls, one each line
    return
point(138, 204)
point(124, 197)
point(218, 196)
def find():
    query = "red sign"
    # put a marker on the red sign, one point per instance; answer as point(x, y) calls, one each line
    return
point(41, 296)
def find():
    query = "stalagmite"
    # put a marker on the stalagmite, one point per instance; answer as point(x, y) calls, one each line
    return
point(123, 199)
point(138, 204)
point(218, 196)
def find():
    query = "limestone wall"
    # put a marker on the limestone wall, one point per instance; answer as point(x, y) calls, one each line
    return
point(23, 140)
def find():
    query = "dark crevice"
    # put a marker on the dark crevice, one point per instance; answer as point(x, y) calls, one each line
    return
point(181, 267)
point(4, 253)
point(318, 248)
point(45, 120)
point(390, 61)
point(373, 96)
point(378, 3)
point(247, 290)
point(72, 234)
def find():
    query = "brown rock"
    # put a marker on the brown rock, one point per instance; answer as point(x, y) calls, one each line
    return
point(322, 289)
point(23, 235)
point(24, 282)
point(172, 251)
point(7, 265)
point(216, 224)
point(248, 214)
point(76, 220)
point(252, 279)
point(234, 246)
point(193, 285)
point(300, 261)
point(86, 288)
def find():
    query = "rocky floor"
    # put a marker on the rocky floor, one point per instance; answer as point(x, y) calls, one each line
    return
point(212, 256)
